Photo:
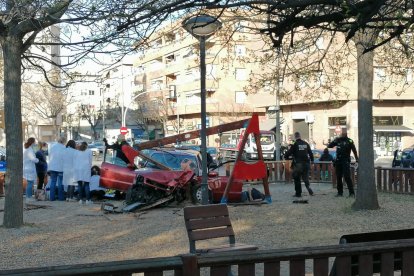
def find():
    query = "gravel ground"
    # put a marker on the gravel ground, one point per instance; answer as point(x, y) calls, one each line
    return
point(67, 233)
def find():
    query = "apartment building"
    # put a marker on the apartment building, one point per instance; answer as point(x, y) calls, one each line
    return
point(169, 69)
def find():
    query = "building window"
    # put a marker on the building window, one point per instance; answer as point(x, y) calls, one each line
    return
point(91, 92)
point(241, 74)
point(320, 43)
point(192, 98)
point(240, 50)
point(241, 97)
point(409, 75)
point(379, 74)
point(238, 27)
point(211, 71)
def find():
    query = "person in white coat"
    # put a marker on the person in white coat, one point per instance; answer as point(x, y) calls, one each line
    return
point(29, 167)
point(55, 168)
point(82, 172)
point(68, 169)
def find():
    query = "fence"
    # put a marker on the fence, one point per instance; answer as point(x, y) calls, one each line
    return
point(280, 171)
point(361, 258)
point(395, 180)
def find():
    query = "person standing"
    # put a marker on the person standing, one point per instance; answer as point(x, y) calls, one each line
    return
point(41, 166)
point(117, 146)
point(302, 154)
point(68, 167)
point(82, 172)
point(325, 157)
point(344, 146)
point(29, 167)
point(55, 168)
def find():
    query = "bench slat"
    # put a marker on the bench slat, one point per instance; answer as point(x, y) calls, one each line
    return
point(321, 267)
point(216, 210)
point(207, 223)
point(387, 264)
point(228, 247)
point(210, 233)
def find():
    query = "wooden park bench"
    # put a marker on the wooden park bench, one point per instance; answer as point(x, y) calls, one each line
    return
point(211, 222)
point(380, 263)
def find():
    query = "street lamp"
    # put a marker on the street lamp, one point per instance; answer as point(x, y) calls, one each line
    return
point(202, 27)
point(127, 107)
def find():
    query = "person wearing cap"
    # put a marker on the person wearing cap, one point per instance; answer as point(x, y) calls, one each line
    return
point(344, 146)
point(302, 154)
point(117, 147)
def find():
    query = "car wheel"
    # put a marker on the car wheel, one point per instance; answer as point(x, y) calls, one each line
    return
point(196, 194)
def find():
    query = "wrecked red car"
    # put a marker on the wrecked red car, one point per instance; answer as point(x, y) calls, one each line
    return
point(148, 179)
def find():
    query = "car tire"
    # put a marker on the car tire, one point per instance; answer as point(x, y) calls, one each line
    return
point(196, 195)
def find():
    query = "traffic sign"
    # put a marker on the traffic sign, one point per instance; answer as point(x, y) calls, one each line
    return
point(123, 130)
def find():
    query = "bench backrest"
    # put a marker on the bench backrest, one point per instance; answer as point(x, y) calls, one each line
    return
point(208, 222)
point(373, 237)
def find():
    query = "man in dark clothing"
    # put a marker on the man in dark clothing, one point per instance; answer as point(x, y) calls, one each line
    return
point(344, 145)
point(302, 153)
point(117, 146)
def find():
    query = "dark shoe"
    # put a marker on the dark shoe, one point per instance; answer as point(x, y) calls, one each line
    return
point(339, 195)
point(310, 192)
point(297, 195)
point(351, 195)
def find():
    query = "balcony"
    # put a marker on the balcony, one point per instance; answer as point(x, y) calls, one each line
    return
point(195, 85)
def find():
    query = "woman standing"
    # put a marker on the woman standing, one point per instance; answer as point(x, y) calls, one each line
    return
point(41, 166)
point(68, 169)
point(82, 172)
point(29, 167)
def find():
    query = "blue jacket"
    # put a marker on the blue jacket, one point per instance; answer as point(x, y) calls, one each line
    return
point(41, 166)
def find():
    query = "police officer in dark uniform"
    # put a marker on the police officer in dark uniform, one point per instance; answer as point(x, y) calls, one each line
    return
point(302, 154)
point(344, 145)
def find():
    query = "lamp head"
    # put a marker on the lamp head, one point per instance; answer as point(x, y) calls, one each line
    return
point(202, 25)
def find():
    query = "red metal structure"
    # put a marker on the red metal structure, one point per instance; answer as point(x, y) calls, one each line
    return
point(248, 171)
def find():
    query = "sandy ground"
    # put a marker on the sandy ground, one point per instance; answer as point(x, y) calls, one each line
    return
point(67, 233)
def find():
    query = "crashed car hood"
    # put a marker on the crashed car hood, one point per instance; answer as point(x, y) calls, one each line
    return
point(167, 177)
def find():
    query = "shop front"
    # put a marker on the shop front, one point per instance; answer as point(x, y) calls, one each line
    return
point(388, 133)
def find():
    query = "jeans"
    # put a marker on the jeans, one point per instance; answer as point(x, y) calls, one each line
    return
point(29, 188)
point(56, 177)
point(71, 191)
point(84, 190)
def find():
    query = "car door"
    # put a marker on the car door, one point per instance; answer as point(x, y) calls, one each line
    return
point(115, 174)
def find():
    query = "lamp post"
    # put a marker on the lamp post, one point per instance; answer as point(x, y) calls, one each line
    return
point(127, 107)
point(202, 27)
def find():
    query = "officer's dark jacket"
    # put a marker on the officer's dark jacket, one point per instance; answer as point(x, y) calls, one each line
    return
point(301, 152)
point(344, 145)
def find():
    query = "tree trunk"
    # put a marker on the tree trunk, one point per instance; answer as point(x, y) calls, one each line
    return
point(13, 206)
point(366, 196)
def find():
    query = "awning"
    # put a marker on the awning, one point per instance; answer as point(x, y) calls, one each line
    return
point(267, 124)
point(393, 129)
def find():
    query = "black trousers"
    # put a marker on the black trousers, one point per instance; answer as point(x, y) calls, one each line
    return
point(343, 170)
point(41, 176)
point(301, 172)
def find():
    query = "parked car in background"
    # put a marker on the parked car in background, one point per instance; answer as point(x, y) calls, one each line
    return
point(94, 149)
point(100, 145)
point(407, 158)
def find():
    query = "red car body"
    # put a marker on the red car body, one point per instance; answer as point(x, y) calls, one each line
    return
point(117, 175)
